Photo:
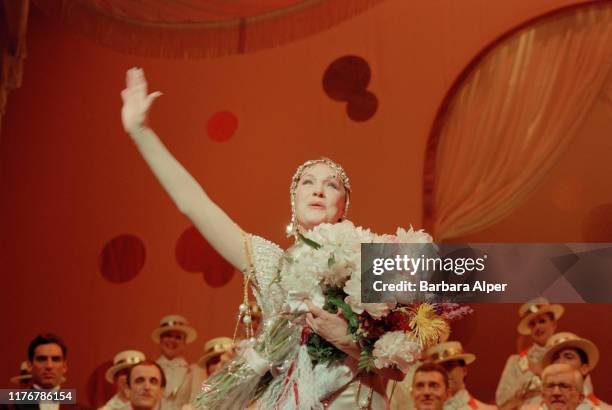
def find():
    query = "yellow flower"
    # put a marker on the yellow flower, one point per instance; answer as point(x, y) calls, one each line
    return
point(427, 326)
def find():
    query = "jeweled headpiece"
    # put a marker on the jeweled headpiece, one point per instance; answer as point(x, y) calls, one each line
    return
point(340, 174)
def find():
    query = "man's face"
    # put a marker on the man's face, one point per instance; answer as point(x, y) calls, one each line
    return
point(560, 392)
point(48, 365)
point(173, 343)
point(456, 375)
point(570, 356)
point(145, 389)
point(542, 327)
point(429, 391)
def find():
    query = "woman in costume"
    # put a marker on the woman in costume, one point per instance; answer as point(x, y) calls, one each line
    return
point(320, 193)
point(520, 382)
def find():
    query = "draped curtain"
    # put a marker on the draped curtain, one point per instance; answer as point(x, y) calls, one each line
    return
point(14, 15)
point(199, 28)
point(607, 93)
point(504, 127)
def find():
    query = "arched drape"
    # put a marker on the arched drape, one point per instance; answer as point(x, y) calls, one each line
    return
point(504, 127)
point(13, 50)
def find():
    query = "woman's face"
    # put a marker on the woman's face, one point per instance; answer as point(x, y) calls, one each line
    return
point(542, 327)
point(172, 343)
point(319, 197)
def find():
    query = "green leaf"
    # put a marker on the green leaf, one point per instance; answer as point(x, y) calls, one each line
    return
point(309, 242)
point(331, 260)
point(321, 351)
point(348, 313)
point(366, 360)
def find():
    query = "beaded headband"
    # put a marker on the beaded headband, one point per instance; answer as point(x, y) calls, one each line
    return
point(340, 174)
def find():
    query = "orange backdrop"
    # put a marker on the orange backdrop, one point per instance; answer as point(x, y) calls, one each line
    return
point(71, 180)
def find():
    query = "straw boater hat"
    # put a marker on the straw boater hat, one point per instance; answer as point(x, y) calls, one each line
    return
point(447, 351)
point(174, 322)
point(123, 360)
point(535, 308)
point(215, 347)
point(566, 340)
point(24, 373)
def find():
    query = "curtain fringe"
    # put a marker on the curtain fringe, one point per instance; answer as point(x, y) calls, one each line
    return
point(206, 39)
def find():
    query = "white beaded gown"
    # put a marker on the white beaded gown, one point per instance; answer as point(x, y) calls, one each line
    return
point(340, 383)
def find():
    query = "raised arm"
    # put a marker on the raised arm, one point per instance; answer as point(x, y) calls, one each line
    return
point(214, 224)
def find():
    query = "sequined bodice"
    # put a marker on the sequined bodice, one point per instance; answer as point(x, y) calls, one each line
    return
point(266, 260)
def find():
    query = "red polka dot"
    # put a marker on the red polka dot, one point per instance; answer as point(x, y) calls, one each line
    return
point(597, 226)
point(346, 77)
point(122, 258)
point(218, 278)
point(191, 251)
point(222, 125)
point(194, 254)
point(362, 107)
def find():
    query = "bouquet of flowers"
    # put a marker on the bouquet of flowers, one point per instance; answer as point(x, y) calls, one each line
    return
point(325, 267)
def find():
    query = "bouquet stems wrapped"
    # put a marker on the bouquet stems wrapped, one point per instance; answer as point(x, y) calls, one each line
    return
point(238, 383)
point(283, 373)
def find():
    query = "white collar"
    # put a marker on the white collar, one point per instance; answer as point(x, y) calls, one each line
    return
point(536, 352)
point(458, 400)
point(163, 361)
point(117, 402)
point(37, 387)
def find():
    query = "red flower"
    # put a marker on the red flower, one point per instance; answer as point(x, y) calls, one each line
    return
point(306, 332)
point(398, 320)
point(374, 328)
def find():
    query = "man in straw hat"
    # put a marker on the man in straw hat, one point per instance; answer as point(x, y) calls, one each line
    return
point(217, 352)
point(399, 393)
point(117, 375)
point(520, 383)
point(454, 359)
point(582, 355)
point(429, 387)
point(183, 380)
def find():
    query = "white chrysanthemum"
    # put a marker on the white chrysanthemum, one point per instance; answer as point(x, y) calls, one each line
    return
point(297, 279)
point(340, 252)
point(353, 289)
point(405, 236)
point(412, 236)
point(337, 262)
point(396, 348)
point(296, 275)
point(333, 233)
